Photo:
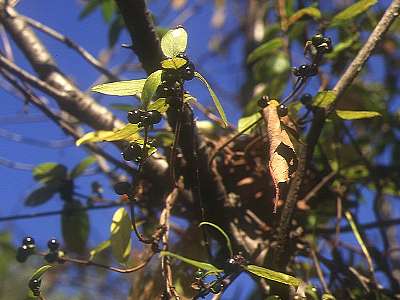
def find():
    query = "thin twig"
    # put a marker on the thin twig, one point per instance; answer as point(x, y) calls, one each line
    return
point(319, 271)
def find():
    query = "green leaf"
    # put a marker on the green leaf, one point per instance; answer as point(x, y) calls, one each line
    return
point(121, 88)
point(150, 87)
point(49, 171)
point(264, 49)
point(159, 105)
point(121, 229)
point(40, 272)
point(324, 99)
point(41, 195)
point(107, 9)
point(99, 248)
point(174, 42)
point(195, 263)
point(306, 11)
point(351, 12)
point(343, 46)
point(75, 226)
point(228, 241)
point(89, 8)
point(173, 63)
point(248, 121)
point(80, 168)
point(273, 275)
point(356, 114)
point(128, 132)
point(214, 97)
point(328, 297)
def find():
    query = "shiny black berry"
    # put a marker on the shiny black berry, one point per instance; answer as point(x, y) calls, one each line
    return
point(34, 286)
point(53, 245)
point(305, 71)
point(133, 152)
point(170, 76)
point(122, 188)
point(28, 241)
point(306, 99)
point(263, 102)
point(165, 89)
point(217, 288)
point(22, 253)
point(188, 71)
point(317, 39)
point(199, 274)
point(321, 43)
point(154, 116)
point(51, 257)
point(135, 116)
point(282, 110)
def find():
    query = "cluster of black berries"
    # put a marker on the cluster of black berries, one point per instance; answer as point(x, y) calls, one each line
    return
point(26, 249)
point(171, 87)
point(54, 254)
point(133, 152)
point(282, 108)
point(321, 45)
point(144, 118)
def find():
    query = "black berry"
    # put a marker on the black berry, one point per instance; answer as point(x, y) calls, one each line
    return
point(34, 286)
point(170, 76)
point(317, 39)
point(199, 274)
point(188, 71)
point(305, 71)
point(122, 188)
point(154, 116)
point(263, 102)
point(53, 245)
point(135, 116)
point(306, 99)
point(165, 90)
point(217, 288)
point(28, 241)
point(282, 110)
point(133, 152)
point(22, 254)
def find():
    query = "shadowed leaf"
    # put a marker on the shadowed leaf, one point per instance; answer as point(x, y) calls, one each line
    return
point(265, 49)
point(351, 12)
point(120, 238)
point(80, 168)
point(194, 263)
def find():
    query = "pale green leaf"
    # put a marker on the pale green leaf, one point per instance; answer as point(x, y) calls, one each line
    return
point(121, 88)
point(99, 248)
point(351, 12)
point(324, 99)
point(150, 87)
point(121, 229)
point(81, 167)
point(129, 132)
point(247, 122)
point(214, 97)
point(273, 275)
point(306, 11)
point(265, 49)
point(159, 105)
point(49, 171)
point(195, 263)
point(174, 42)
point(228, 241)
point(39, 272)
point(173, 63)
point(356, 114)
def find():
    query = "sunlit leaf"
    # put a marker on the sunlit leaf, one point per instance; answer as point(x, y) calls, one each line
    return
point(355, 115)
point(265, 49)
point(351, 12)
point(194, 263)
point(41, 195)
point(174, 42)
point(80, 168)
point(150, 87)
point(245, 122)
point(75, 226)
point(328, 297)
point(324, 99)
point(40, 272)
point(159, 105)
point(273, 275)
point(228, 241)
point(306, 11)
point(49, 171)
point(214, 97)
point(173, 63)
point(128, 132)
point(121, 88)
point(99, 248)
point(120, 238)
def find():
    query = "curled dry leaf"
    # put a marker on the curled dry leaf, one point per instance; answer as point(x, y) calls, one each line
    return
point(282, 156)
